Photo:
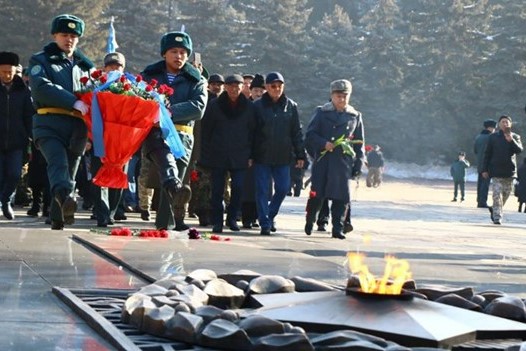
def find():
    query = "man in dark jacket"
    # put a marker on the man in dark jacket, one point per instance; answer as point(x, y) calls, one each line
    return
point(187, 105)
point(228, 128)
point(480, 148)
point(15, 128)
point(499, 165)
point(278, 142)
point(58, 128)
point(375, 166)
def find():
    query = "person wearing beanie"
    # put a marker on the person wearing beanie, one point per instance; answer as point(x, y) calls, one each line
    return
point(500, 165)
point(186, 105)
point(278, 143)
point(257, 87)
point(59, 130)
point(479, 149)
point(16, 111)
point(333, 166)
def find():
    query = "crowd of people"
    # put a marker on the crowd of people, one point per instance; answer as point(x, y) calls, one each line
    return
point(244, 148)
point(241, 136)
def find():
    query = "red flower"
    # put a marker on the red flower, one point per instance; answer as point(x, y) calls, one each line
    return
point(148, 88)
point(312, 194)
point(122, 79)
point(103, 79)
point(126, 86)
point(154, 82)
point(84, 80)
point(138, 78)
point(368, 148)
point(169, 91)
point(194, 234)
point(194, 176)
point(215, 237)
point(96, 74)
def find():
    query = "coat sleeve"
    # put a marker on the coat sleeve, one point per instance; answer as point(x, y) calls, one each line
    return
point(194, 108)
point(314, 142)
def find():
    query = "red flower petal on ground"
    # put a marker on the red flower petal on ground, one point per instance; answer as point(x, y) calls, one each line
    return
point(227, 239)
point(215, 237)
point(126, 232)
point(115, 232)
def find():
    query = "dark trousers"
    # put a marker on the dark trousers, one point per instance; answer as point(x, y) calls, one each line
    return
point(338, 210)
point(10, 173)
point(218, 181)
point(459, 184)
point(482, 190)
point(105, 200)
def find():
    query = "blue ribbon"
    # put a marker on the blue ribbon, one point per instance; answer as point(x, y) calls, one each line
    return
point(170, 135)
point(97, 125)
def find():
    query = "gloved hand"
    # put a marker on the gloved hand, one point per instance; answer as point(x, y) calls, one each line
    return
point(81, 106)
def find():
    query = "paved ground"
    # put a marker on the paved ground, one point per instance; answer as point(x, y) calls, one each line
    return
point(445, 243)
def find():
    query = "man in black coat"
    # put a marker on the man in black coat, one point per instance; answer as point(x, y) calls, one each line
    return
point(500, 165)
point(15, 128)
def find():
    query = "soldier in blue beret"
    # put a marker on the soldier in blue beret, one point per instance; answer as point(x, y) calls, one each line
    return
point(58, 128)
point(187, 105)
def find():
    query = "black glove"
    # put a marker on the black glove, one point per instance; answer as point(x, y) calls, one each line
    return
point(356, 169)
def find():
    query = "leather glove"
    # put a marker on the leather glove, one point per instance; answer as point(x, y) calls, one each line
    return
point(81, 106)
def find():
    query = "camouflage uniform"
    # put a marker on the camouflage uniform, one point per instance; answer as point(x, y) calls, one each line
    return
point(501, 188)
point(200, 202)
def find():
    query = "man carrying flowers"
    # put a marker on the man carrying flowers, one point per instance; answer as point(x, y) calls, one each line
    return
point(334, 136)
point(58, 128)
point(186, 105)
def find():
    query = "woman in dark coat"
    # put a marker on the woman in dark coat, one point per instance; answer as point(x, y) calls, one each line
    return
point(333, 165)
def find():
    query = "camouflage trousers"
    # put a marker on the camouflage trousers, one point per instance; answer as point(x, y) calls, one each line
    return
point(501, 188)
point(374, 177)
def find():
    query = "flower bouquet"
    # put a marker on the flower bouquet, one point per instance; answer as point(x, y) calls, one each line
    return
point(345, 144)
point(123, 110)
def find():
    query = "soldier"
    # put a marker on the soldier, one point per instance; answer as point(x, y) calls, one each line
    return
point(58, 128)
point(187, 105)
point(15, 122)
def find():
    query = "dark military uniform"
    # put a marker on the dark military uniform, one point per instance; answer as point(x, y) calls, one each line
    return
point(187, 104)
point(58, 130)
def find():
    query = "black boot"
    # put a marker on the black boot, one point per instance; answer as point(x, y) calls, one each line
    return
point(67, 206)
point(312, 208)
point(7, 210)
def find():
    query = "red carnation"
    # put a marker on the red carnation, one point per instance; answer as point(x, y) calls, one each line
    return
point(312, 194)
point(126, 232)
point(154, 82)
point(215, 237)
point(148, 88)
point(96, 74)
point(194, 176)
point(84, 80)
point(169, 91)
point(138, 78)
point(126, 86)
point(122, 79)
point(103, 79)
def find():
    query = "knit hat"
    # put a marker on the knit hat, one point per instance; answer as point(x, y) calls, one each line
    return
point(9, 58)
point(176, 40)
point(258, 82)
point(67, 24)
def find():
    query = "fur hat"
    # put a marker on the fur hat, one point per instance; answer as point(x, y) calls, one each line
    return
point(176, 40)
point(258, 82)
point(67, 24)
point(341, 85)
point(9, 58)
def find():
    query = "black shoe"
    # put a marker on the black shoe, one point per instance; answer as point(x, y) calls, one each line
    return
point(120, 217)
point(48, 220)
point(255, 224)
point(181, 226)
point(338, 236)
point(247, 225)
point(454, 200)
point(461, 200)
point(217, 228)
point(33, 212)
point(347, 228)
point(490, 212)
point(308, 228)
point(67, 205)
point(497, 221)
point(8, 211)
point(45, 212)
point(264, 231)
point(321, 228)
point(145, 215)
point(482, 206)
point(273, 227)
point(234, 227)
point(57, 225)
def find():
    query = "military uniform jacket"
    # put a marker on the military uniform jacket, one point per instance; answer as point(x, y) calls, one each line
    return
point(53, 79)
point(15, 115)
point(332, 171)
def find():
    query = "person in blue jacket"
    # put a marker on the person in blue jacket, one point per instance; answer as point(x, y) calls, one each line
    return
point(59, 131)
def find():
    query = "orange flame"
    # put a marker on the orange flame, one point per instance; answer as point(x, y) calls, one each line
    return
point(396, 273)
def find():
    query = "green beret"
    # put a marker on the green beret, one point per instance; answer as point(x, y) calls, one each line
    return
point(176, 40)
point(67, 24)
